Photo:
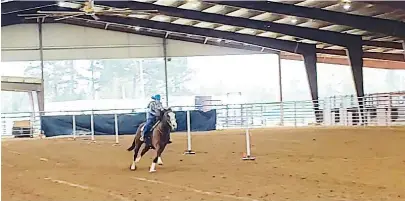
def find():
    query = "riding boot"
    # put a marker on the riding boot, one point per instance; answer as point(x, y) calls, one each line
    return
point(148, 142)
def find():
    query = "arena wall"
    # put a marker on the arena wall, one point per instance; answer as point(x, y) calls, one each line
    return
point(104, 124)
point(70, 42)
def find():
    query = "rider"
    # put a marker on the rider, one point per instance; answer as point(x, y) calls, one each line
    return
point(152, 116)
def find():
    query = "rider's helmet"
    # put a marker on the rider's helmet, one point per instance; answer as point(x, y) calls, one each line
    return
point(156, 97)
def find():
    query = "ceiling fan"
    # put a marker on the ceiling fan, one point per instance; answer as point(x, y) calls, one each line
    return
point(86, 8)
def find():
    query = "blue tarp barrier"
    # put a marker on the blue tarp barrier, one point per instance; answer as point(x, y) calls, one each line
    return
point(127, 123)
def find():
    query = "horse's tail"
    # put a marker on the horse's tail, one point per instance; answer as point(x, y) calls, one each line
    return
point(132, 147)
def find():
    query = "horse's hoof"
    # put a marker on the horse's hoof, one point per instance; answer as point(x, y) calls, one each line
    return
point(152, 171)
point(160, 163)
point(132, 168)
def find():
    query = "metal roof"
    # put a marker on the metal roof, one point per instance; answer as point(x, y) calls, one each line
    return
point(330, 26)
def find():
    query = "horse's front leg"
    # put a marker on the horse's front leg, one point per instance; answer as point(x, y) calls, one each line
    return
point(159, 151)
point(159, 161)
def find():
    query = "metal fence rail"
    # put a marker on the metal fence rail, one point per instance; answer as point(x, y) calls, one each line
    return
point(372, 110)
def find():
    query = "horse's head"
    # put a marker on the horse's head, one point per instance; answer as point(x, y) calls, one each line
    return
point(170, 117)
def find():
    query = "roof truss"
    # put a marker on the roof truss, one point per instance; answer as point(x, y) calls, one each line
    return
point(372, 24)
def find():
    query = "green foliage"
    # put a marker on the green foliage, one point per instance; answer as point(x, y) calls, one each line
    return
point(111, 79)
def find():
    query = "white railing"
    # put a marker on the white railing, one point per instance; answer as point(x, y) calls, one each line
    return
point(377, 110)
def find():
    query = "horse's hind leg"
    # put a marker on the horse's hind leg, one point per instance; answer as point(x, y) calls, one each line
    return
point(143, 152)
point(135, 160)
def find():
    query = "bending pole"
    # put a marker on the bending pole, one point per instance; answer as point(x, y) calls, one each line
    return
point(92, 126)
point(248, 155)
point(116, 128)
point(74, 126)
point(189, 150)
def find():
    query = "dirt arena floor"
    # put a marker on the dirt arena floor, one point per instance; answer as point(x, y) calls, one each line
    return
point(291, 164)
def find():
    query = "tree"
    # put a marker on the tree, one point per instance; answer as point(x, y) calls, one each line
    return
point(61, 80)
point(179, 73)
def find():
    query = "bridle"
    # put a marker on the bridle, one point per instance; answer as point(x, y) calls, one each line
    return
point(168, 119)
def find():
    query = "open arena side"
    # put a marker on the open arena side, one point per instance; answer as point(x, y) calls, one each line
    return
point(297, 158)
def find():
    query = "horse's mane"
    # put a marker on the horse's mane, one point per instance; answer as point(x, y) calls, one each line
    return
point(162, 113)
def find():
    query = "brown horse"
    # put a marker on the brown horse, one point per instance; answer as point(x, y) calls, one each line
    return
point(160, 137)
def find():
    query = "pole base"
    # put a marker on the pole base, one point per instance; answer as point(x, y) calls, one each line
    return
point(249, 158)
point(189, 152)
point(116, 144)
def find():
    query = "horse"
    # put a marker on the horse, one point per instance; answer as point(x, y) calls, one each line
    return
point(160, 137)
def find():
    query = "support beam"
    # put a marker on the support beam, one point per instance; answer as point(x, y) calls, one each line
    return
point(372, 24)
point(310, 67)
point(165, 66)
point(369, 55)
point(20, 86)
point(280, 89)
point(392, 4)
point(277, 44)
point(324, 36)
point(356, 63)
point(41, 93)
point(384, 44)
point(369, 63)
point(19, 6)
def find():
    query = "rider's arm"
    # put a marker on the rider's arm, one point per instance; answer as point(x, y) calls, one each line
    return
point(153, 109)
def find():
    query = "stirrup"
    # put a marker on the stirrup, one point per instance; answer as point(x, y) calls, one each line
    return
point(141, 138)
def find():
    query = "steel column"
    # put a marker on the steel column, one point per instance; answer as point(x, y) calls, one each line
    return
point(310, 60)
point(280, 85)
point(165, 60)
point(356, 63)
point(41, 94)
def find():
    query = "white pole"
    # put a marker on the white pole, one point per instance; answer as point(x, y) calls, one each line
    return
point(116, 128)
point(295, 114)
point(74, 126)
point(247, 134)
point(92, 125)
point(189, 150)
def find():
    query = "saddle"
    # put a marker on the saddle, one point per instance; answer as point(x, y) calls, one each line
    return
point(153, 127)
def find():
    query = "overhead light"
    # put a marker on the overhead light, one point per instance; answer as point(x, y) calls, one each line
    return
point(137, 28)
point(346, 6)
point(160, 18)
point(219, 40)
point(195, 4)
point(61, 3)
point(294, 20)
